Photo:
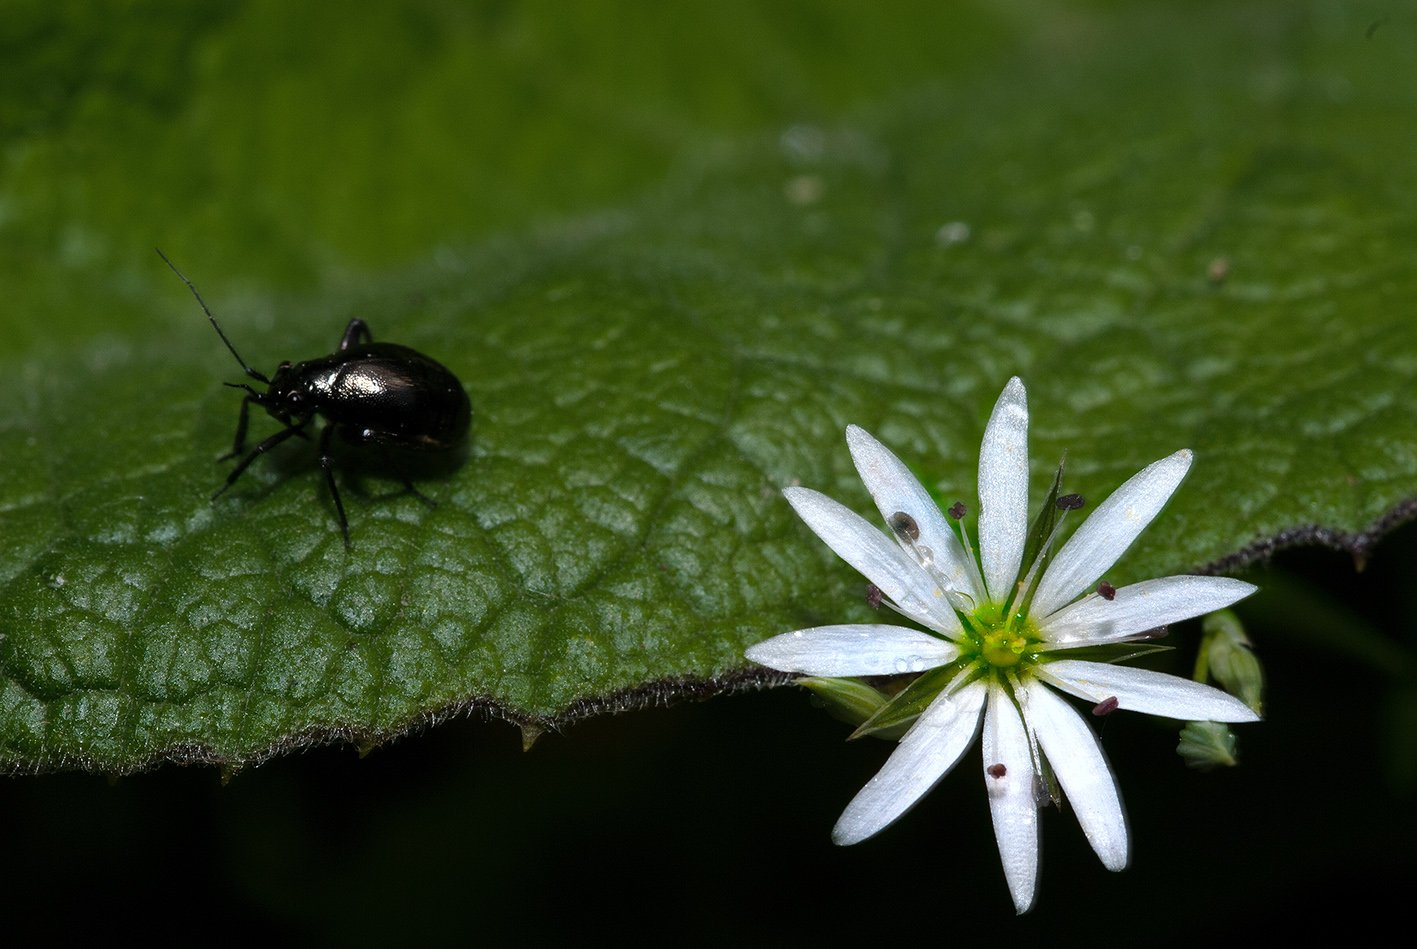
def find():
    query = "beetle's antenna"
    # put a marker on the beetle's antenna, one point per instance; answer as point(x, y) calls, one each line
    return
point(259, 377)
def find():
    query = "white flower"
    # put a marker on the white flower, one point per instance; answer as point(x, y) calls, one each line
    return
point(1005, 633)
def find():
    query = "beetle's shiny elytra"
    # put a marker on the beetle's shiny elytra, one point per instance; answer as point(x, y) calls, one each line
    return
point(370, 393)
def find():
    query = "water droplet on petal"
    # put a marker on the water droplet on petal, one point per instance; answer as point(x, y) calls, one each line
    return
point(910, 664)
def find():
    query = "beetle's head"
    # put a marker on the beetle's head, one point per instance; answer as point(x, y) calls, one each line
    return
point(286, 398)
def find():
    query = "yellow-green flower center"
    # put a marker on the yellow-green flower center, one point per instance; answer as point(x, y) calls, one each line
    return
point(1002, 641)
point(1002, 648)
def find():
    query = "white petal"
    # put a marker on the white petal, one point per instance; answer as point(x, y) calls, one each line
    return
point(894, 488)
point(1011, 797)
point(1141, 690)
point(1140, 607)
point(1003, 491)
point(1108, 533)
point(878, 558)
point(853, 650)
point(1076, 758)
point(925, 755)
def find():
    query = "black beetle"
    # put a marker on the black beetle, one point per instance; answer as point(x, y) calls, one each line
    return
point(370, 393)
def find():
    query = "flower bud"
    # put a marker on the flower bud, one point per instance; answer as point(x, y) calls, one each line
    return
point(851, 701)
point(1231, 661)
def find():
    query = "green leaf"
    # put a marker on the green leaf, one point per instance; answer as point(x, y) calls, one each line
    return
point(671, 258)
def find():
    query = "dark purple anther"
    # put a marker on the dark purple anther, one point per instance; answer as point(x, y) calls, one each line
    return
point(1106, 590)
point(957, 510)
point(873, 596)
point(1070, 502)
point(996, 771)
point(1106, 707)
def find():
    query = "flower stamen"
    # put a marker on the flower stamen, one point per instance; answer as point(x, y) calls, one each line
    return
point(957, 511)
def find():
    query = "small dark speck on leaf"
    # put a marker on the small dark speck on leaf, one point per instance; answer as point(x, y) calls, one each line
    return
point(1217, 271)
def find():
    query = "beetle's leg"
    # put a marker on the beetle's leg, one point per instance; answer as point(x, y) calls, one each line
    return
point(418, 494)
point(256, 452)
point(357, 328)
point(408, 484)
point(239, 444)
point(327, 462)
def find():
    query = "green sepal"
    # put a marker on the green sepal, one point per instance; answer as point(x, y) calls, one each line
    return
point(850, 700)
point(905, 707)
point(1207, 745)
point(1105, 652)
point(1044, 523)
point(1047, 785)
